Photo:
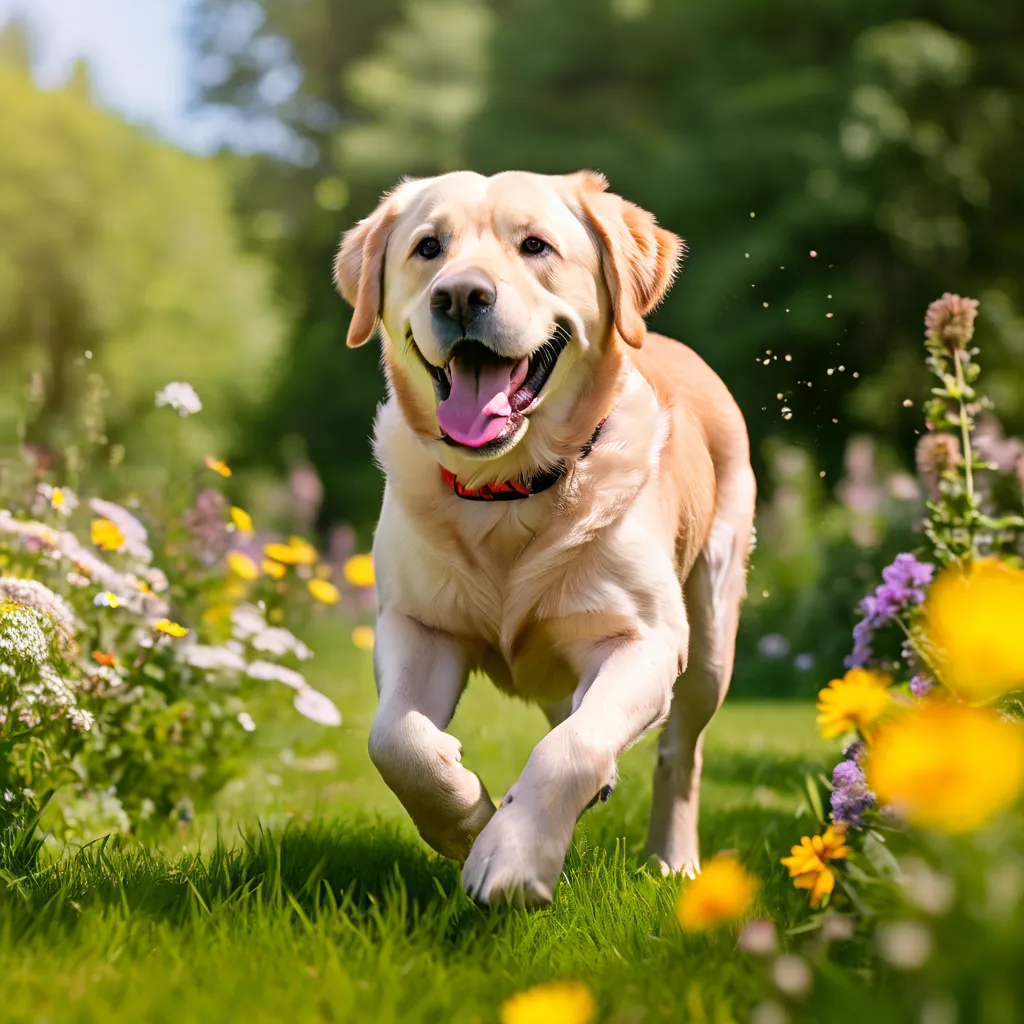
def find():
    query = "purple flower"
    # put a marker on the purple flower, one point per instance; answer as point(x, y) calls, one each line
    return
point(907, 578)
point(850, 794)
point(920, 685)
point(903, 586)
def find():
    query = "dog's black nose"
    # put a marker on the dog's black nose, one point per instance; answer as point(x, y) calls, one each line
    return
point(462, 295)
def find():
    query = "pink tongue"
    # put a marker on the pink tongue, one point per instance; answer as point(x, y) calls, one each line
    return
point(478, 409)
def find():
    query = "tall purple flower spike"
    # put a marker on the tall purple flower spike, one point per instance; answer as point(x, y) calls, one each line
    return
point(903, 586)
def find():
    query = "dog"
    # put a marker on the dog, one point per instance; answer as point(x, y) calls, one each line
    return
point(568, 508)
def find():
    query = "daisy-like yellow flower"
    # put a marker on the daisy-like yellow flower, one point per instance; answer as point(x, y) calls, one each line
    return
point(242, 520)
point(170, 628)
point(57, 498)
point(243, 566)
point(106, 535)
point(275, 570)
point(324, 591)
point(359, 571)
point(721, 893)
point(296, 552)
point(363, 637)
point(947, 766)
point(856, 701)
point(557, 1002)
point(808, 863)
point(218, 466)
point(972, 626)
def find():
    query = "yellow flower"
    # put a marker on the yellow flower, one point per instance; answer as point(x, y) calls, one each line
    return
point(557, 1002)
point(273, 569)
point(57, 498)
point(808, 862)
point(947, 766)
point(217, 613)
point(359, 571)
point(170, 628)
point(722, 892)
point(324, 591)
point(856, 701)
point(242, 520)
point(106, 535)
point(243, 565)
point(296, 552)
point(363, 637)
point(218, 466)
point(972, 625)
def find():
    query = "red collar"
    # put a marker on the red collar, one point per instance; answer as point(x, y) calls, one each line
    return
point(513, 490)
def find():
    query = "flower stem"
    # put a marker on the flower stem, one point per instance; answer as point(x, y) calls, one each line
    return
point(965, 440)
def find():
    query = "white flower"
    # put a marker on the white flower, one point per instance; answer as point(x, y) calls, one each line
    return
point(276, 673)
point(33, 594)
point(213, 659)
point(106, 599)
point(246, 722)
point(135, 535)
point(23, 638)
point(247, 621)
point(181, 397)
point(279, 642)
point(80, 718)
point(316, 706)
point(62, 499)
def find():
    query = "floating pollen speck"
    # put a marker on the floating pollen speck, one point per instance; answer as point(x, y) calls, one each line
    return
point(789, 359)
point(779, 396)
point(746, 255)
point(787, 413)
point(822, 474)
point(814, 252)
point(908, 403)
point(766, 361)
point(830, 371)
point(765, 304)
point(828, 316)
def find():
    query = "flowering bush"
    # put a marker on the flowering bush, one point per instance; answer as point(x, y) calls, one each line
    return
point(918, 870)
point(914, 877)
point(131, 636)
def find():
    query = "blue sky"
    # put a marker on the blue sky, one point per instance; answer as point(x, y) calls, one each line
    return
point(138, 56)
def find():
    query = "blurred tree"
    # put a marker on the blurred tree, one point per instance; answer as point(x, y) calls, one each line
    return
point(119, 272)
point(832, 167)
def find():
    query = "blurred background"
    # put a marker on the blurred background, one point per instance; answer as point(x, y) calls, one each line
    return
point(175, 175)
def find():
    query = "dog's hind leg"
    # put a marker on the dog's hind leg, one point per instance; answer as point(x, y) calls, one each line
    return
point(714, 592)
point(421, 674)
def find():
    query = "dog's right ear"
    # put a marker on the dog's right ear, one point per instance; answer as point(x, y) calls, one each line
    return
point(359, 269)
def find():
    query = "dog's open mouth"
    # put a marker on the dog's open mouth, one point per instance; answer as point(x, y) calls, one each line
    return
point(481, 398)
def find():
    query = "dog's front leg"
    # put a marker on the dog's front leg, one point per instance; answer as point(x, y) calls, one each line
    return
point(420, 676)
point(519, 855)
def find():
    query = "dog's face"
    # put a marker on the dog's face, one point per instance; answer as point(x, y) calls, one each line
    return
point(501, 298)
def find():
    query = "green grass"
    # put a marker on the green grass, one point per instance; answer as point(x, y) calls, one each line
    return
point(308, 896)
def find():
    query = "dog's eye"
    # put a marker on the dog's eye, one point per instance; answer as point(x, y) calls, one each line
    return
point(429, 248)
point(534, 246)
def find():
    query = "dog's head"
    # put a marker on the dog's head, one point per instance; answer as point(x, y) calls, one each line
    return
point(502, 299)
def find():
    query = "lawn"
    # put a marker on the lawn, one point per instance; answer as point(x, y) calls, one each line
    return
point(306, 895)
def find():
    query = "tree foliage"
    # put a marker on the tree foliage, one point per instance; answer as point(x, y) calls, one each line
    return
point(832, 167)
point(120, 269)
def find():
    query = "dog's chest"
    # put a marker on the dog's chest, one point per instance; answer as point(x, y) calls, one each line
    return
point(528, 599)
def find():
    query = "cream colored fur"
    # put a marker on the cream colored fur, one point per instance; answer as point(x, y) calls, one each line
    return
point(611, 599)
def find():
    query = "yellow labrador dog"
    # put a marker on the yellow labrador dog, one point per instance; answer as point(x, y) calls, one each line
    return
point(568, 508)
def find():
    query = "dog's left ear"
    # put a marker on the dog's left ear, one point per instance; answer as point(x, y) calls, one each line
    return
point(639, 259)
point(359, 269)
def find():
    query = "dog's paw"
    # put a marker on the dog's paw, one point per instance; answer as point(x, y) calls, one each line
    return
point(514, 861)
